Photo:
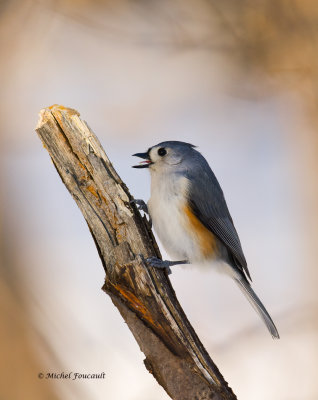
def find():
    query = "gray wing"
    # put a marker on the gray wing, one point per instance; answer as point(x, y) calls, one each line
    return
point(207, 202)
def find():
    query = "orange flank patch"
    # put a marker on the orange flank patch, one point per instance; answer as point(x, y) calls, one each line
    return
point(206, 238)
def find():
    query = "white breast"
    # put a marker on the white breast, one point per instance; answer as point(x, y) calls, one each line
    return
point(166, 206)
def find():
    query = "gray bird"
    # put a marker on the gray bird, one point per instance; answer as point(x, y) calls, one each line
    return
point(190, 216)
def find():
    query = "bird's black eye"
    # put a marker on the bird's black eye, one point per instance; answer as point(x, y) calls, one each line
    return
point(162, 152)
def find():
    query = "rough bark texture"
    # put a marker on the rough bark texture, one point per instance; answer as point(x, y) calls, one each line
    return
point(143, 295)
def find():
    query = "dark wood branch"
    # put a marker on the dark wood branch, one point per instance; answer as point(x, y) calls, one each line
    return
point(144, 296)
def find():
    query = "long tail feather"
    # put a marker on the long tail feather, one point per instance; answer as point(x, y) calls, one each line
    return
point(258, 306)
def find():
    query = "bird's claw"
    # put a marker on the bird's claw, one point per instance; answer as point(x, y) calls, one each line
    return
point(141, 205)
point(161, 264)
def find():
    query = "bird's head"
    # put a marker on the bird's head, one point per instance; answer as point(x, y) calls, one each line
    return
point(164, 155)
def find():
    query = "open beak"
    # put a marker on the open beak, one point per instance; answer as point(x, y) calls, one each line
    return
point(145, 163)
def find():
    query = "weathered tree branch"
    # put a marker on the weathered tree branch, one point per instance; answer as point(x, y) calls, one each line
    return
point(143, 295)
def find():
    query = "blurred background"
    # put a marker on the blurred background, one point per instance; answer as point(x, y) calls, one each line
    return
point(237, 79)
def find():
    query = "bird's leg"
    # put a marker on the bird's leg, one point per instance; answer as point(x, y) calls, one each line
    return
point(157, 263)
point(142, 206)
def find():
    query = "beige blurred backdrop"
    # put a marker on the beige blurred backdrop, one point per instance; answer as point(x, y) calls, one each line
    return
point(237, 79)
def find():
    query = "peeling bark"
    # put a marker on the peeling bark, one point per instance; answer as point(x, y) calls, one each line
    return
point(143, 295)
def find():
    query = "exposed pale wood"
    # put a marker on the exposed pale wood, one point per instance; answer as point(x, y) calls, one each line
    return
point(143, 295)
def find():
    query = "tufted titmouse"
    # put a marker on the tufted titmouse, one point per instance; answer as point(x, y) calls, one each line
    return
point(191, 218)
